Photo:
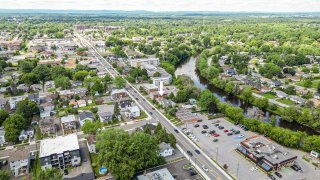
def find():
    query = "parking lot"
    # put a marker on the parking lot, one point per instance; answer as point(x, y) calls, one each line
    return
point(221, 148)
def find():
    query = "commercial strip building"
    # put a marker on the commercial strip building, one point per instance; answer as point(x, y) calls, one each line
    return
point(60, 152)
point(266, 154)
point(159, 174)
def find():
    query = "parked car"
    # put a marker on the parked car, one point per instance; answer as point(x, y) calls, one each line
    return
point(197, 151)
point(226, 130)
point(278, 174)
point(150, 113)
point(236, 132)
point(230, 134)
point(215, 135)
point(271, 177)
point(241, 136)
point(176, 130)
point(199, 120)
point(196, 125)
point(236, 123)
point(212, 131)
point(205, 127)
point(205, 168)
point(245, 129)
point(215, 140)
point(216, 125)
point(203, 132)
point(189, 153)
point(221, 127)
point(296, 167)
point(65, 172)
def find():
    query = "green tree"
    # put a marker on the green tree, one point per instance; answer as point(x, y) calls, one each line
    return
point(27, 108)
point(62, 82)
point(29, 79)
point(3, 116)
point(43, 73)
point(80, 75)
point(246, 94)
point(262, 103)
point(119, 82)
point(91, 127)
point(5, 175)
point(50, 173)
point(172, 140)
point(13, 126)
point(206, 98)
point(273, 120)
point(25, 66)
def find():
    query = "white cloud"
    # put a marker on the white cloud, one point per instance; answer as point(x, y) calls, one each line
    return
point(168, 5)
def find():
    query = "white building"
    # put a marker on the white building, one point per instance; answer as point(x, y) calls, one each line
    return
point(133, 112)
point(2, 133)
point(138, 62)
point(19, 161)
point(166, 150)
point(60, 152)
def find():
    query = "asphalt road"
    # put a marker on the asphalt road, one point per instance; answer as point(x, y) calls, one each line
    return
point(185, 143)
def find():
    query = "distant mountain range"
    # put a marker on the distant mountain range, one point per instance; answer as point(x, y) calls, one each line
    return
point(144, 12)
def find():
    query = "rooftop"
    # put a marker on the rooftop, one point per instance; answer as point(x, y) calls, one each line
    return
point(161, 174)
point(69, 118)
point(58, 145)
point(19, 154)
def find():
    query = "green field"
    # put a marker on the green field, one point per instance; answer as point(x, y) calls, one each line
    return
point(286, 101)
point(269, 95)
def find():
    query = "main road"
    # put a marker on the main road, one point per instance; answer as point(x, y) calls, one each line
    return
point(200, 160)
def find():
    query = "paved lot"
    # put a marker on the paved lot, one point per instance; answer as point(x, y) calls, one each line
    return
point(176, 168)
point(224, 152)
point(84, 171)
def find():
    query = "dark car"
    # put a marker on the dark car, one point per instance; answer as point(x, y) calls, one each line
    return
point(271, 177)
point(236, 123)
point(278, 174)
point(212, 131)
point(65, 172)
point(215, 140)
point(189, 153)
point(245, 129)
point(197, 151)
point(137, 99)
point(192, 172)
point(176, 130)
point(221, 127)
point(237, 132)
point(196, 125)
point(205, 127)
point(230, 134)
point(199, 120)
point(153, 108)
point(144, 100)
point(203, 132)
point(296, 167)
point(216, 125)
point(150, 113)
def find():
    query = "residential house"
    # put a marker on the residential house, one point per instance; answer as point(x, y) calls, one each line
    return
point(118, 94)
point(82, 103)
point(34, 97)
point(156, 95)
point(60, 152)
point(316, 95)
point(150, 88)
point(165, 103)
point(46, 110)
point(14, 100)
point(297, 99)
point(49, 125)
point(192, 101)
point(85, 116)
point(166, 150)
point(19, 161)
point(91, 143)
point(150, 126)
point(133, 112)
point(138, 62)
point(2, 133)
point(69, 124)
point(265, 89)
point(281, 94)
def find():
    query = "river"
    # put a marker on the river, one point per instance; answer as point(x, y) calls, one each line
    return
point(188, 68)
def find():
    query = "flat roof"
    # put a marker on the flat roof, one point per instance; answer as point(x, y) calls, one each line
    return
point(58, 145)
point(270, 151)
point(163, 174)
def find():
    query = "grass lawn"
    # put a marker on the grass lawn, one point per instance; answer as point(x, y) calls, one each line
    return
point(315, 83)
point(95, 165)
point(286, 101)
point(269, 95)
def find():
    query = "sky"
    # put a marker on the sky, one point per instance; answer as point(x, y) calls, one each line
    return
point(168, 5)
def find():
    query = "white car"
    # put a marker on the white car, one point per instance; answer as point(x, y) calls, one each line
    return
point(241, 136)
point(205, 168)
point(253, 168)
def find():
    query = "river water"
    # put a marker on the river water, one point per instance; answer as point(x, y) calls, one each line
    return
point(188, 68)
